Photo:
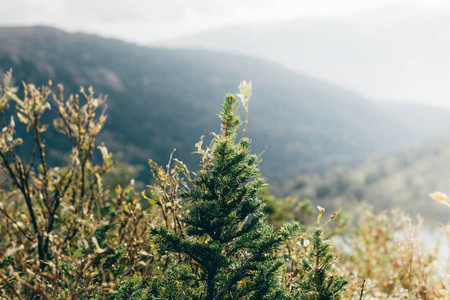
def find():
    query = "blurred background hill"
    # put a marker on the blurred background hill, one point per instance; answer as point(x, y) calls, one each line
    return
point(160, 99)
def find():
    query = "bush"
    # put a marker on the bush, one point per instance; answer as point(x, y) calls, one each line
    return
point(67, 235)
point(77, 229)
point(390, 256)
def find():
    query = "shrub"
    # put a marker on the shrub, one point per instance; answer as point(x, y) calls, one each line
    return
point(77, 229)
point(387, 252)
point(67, 235)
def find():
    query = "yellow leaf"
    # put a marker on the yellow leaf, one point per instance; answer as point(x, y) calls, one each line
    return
point(22, 118)
point(147, 198)
point(118, 189)
point(99, 181)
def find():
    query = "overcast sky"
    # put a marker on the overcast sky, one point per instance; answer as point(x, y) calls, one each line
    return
point(152, 21)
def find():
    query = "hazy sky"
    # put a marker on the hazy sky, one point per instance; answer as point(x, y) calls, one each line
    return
point(151, 21)
point(154, 21)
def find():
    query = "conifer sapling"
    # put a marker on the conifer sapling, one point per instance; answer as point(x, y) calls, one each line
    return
point(232, 246)
point(318, 279)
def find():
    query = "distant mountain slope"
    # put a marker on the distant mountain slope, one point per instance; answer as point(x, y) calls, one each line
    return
point(161, 99)
point(401, 180)
point(395, 53)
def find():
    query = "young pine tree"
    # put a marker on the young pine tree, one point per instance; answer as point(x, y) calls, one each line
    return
point(229, 249)
point(318, 279)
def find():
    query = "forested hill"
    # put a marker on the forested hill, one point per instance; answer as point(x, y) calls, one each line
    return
point(161, 99)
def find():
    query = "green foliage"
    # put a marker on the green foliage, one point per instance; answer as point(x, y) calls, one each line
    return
point(318, 279)
point(175, 283)
point(280, 211)
point(131, 289)
point(232, 246)
point(78, 230)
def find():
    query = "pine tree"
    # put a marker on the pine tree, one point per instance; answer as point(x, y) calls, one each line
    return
point(228, 246)
point(319, 280)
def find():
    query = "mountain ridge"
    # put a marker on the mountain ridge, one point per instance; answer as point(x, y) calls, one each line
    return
point(160, 99)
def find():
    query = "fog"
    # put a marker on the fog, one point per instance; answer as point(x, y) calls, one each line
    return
point(399, 53)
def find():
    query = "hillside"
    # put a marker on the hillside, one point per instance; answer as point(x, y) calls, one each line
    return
point(400, 180)
point(160, 99)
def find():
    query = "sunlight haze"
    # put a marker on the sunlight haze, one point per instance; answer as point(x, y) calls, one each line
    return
point(147, 22)
point(415, 70)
